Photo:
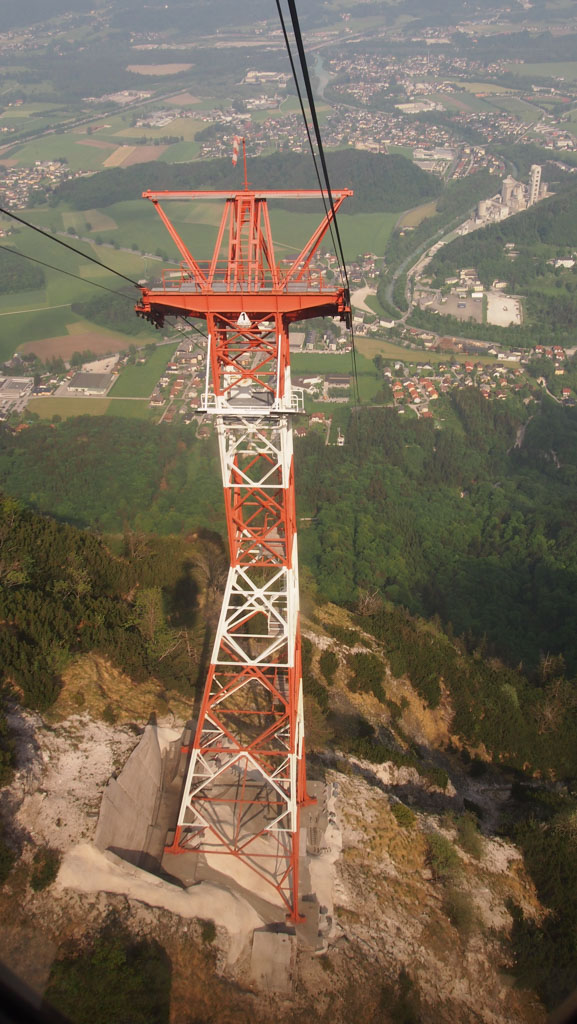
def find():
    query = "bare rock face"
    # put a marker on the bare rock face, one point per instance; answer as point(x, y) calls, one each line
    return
point(54, 798)
point(386, 909)
point(393, 912)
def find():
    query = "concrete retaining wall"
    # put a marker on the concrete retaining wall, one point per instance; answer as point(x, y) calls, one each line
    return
point(129, 803)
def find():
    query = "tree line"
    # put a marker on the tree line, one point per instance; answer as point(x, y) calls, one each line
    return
point(381, 182)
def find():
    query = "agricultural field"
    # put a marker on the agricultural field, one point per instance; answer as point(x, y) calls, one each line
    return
point(158, 70)
point(318, 362)
point(361, 232)
point(463, 101)
point(139, 381)
point(81, 337)
point(69, 147)
point(135, 409)
point(43, 314)
point(67, 408)
point(371, 347)
point(412, 218)
point(565, 70)
point(482, 88)
point(185, 126)
point(526, 112)
point(31, 326)
point(85, 221)
point(99, 145)
point(179, 152)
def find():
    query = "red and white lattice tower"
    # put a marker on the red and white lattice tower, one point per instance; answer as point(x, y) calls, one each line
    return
point(246, 779)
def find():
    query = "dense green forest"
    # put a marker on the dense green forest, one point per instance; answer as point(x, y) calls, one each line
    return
point(64, 592)
point(381, 182)
point(104, 473)
point(112, 311)
point(18, 275)
point(456, 522)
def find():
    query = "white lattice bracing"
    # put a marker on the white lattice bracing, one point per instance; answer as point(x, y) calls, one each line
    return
point(245, 779)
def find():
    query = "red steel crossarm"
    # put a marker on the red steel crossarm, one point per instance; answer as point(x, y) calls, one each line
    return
point(303, 261)
point(182, 248)
point(235, 194)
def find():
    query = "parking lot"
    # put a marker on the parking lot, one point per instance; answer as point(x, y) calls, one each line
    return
point(503, 310)
point(453, 305)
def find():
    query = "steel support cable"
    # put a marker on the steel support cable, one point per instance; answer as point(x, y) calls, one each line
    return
point(93, 284)
point(316, 126)
point(50, 266)
point(194, 327)
point(307, 129)
point(59, 241)
point(310, 96)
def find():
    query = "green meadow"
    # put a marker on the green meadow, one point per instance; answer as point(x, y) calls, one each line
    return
point(69, 147)
point(66, 408)
point(526, 112)
point(368, 380)
point(46, 312)
point(138, 381)
point(564, 69)
point(131, 409)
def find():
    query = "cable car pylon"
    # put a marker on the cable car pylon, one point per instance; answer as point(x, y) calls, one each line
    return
point(246, 779)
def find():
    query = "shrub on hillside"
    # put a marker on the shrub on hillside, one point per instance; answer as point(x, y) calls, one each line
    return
point(443, 857)
point(460, 910)
point(329, 663)
point(46, 863)
point(468, 835)
point(406, 818)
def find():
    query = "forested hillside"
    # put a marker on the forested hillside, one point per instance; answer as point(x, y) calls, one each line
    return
point(550, 223)
point(64, 592)
point(104, 473)
point(381, 182)
point(455, 522)
point(429, 518)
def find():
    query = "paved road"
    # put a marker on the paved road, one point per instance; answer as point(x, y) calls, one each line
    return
point(37, 309)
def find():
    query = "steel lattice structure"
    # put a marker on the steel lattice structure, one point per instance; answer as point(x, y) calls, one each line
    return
point(246, 779)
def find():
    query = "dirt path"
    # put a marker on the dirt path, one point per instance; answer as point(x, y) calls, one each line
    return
point(38, 309)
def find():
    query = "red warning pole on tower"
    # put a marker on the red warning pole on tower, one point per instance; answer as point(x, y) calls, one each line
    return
point(246, 778)
point(235, 148)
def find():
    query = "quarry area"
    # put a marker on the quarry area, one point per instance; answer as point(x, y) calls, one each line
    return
point(379, 911)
